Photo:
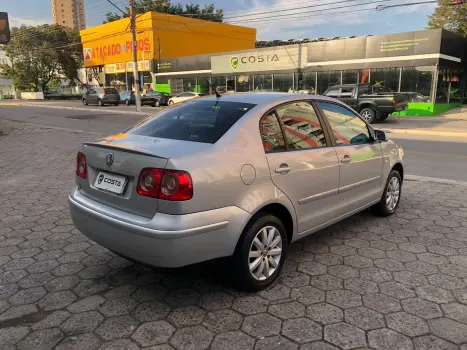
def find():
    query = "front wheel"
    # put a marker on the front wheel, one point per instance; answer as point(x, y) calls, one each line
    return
point(391, 195)
point(260, 255)
point(100, 103)
point(127, 102)
point(368, 115)
point(85, 102)
point(171, 103)
point(156, 103)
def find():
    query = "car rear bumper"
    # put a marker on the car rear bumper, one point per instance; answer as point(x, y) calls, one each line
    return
point(166, 240)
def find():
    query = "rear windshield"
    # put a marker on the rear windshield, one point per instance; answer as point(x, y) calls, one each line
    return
point(111, 91)
point(198, 121)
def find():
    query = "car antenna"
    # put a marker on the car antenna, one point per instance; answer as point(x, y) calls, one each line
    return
point(215, 91)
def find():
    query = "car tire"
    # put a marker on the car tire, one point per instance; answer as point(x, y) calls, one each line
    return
point(117, 103)
point(127, 102)
point(171, 103)
point(156, 103)
point(248, 251)
point(391, 195)
point(85, 102)
point(368, 115)
point(100, 103)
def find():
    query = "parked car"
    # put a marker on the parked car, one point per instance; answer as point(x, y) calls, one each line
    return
point(184, 96)
point(155, 98)
point(101, 96)
point(225, 177)
point(127, 97)
point(374, 103)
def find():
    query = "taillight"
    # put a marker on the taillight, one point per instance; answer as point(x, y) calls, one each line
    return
point(81, 165)
point(393, 101)
point(172, 185)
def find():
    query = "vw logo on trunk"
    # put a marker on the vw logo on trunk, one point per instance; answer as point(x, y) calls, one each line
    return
point(109, 160)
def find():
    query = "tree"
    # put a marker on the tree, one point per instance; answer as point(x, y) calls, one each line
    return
point(449, 16)
point(208, 12)
point(42, 54)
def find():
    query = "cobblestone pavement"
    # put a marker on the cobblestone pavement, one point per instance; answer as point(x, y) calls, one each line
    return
point(368, 282)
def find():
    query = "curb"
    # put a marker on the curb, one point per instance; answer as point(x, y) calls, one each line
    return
point(79, 109)
point(434, 180)
point(424, 132)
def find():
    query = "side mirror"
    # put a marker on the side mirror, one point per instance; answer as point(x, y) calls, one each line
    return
point(380, 136)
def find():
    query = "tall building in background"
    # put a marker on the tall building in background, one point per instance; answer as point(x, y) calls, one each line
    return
point(69, 13)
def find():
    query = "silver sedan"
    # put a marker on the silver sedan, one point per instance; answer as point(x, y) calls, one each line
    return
point(238, 176)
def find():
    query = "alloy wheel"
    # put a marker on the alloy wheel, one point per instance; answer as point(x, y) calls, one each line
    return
point(366, 116)
point(265, 253)
point(392, 194)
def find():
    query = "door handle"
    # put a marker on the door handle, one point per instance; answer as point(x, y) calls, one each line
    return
point(346, 159)
point(283, 169)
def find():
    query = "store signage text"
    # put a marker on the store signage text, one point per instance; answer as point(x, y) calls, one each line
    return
point(253, 59)
point(115, 49)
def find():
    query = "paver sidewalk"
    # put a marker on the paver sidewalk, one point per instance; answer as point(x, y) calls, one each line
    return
point(383, 283)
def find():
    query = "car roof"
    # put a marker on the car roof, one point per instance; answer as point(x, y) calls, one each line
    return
point(268, 98)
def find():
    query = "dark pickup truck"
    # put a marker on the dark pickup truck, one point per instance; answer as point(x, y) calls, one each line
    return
point(374, 103)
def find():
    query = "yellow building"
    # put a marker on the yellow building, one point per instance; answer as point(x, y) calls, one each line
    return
point(159, 36)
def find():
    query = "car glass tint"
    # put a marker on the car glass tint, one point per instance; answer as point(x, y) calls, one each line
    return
point(301, 126)
point(271, 133)
point(347, 127)
point(110, 91)
point(198, 121)
point(346, 92)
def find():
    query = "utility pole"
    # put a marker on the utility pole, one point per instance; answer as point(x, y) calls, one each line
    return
point(135, 55)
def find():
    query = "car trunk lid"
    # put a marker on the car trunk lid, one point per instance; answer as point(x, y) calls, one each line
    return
point(130, 155)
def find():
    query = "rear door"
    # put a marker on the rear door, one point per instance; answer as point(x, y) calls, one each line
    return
point(348, 95)
point(360, 157)
point(303, 164)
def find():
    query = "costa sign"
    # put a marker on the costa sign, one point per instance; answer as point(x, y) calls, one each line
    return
point(115, 49)
point(260, 60)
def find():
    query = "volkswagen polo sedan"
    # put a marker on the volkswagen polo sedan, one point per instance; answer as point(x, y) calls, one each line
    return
point(239, 176)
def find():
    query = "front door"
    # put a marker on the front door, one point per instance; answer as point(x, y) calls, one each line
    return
point(92, 96)
point(303, 165)
point(360, 158)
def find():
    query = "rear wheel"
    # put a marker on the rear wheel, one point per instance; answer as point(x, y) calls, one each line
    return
point(117, 103)
point(391, 195)
point(156, 103)
point(260, 255)
point(100, 103)
point(368, 115)
point(127, 102)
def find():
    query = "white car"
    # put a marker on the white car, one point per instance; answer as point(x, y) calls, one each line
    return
point(184, 96)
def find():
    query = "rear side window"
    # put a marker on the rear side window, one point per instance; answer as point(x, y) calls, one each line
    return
point(111, 91)
point(271, 133)
point(333, 92)
point(198, 121)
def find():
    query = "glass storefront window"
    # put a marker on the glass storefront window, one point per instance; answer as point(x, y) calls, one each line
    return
point(189, 84)
point(387, 77)
point(219, 83)
point(263, 82)
point(349, 77)
point(244, 83)
point(416, 83)
point(328, 79)
point(363, 76)
point(283, 82)
point(306, 82)
point(202, 86)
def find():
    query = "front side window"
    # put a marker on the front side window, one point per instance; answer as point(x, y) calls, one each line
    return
point(301, 125)
point(271, 133)
point(347, 92)
point(347, 128)
point(198, 121)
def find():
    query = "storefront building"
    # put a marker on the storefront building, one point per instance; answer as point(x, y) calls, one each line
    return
point(7, 90)
point(429, 66)
point(108, 47)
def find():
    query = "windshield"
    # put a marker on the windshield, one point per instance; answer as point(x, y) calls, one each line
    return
point(198, 121)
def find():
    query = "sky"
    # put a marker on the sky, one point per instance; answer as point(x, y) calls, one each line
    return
point(339, 19)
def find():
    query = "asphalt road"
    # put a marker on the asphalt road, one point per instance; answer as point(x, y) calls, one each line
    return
point(438, 157)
